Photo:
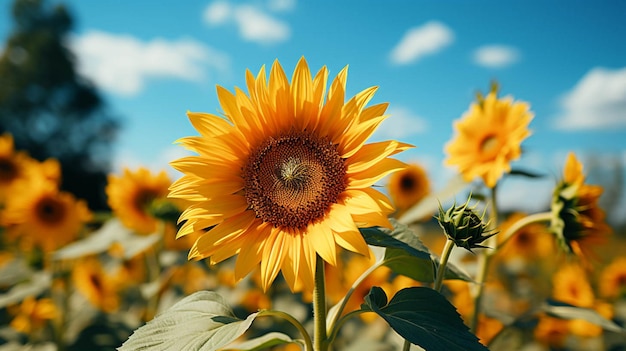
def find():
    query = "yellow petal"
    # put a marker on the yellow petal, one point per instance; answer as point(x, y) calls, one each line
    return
point(374, 173)
point(321, 238)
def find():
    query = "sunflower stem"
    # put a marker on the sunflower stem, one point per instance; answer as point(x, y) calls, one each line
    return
point(484, 261)
point(521, 223)
point(308, 344)
point(319, 307)
point(443, 263)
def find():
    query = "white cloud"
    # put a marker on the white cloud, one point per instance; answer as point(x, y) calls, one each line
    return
point(598, 101)
point(281, 5)
point(496, 56)
point(421, 41)
point(401, 124)
point(123, 63)
point(253, 24)
point(218, 12)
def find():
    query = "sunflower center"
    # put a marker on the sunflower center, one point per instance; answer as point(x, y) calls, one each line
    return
point(489, 146)
point(407, 183)
point(50, 211)
point(293, 180)
point(143, 199)
point(8, 171)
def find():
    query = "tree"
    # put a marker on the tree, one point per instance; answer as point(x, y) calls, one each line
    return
point(48, 107)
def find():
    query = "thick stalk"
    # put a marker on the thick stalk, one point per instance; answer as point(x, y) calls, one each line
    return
point(319, 307)
point(484, 261)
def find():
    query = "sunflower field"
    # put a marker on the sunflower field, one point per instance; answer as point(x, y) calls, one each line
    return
point(287, 230)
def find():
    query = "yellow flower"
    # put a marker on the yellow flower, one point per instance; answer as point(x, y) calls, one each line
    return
point(613, 279)
point(570, 285)
point(14, 165)
point(488, 138)
point(578, 221)
point(552, 331)
point(530, 242)
point(131, 195)
point(286, 176)
point(32, 314)
point(407, 187)
point(43, 216)
point(99, 287)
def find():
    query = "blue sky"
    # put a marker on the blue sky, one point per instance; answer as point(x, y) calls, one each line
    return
point(153, 61)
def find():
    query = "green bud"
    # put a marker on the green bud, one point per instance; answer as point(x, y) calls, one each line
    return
point(463, 226)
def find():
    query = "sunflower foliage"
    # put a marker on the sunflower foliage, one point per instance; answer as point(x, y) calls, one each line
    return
point(280, 235)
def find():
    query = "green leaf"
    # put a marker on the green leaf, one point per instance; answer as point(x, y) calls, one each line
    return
point(199, 322)
point(565, 311)
point(401, 237)
point(424, 317)
point(527, 174)
point(263, 342)
point(113, 231)
point(406, 254)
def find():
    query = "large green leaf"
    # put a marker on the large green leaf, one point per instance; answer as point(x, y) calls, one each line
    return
point(200, 322)
point(406, 254)
point(566, 311)
point(263, 342)
point(424, 317)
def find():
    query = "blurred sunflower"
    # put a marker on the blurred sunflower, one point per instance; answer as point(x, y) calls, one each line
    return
point(577, 220)
point(33, 314)
point(612, 281)
point(286, 176)
point(530, 242)
point(407, 187)
point(44, 217)
point(131, 196)
point(571, 285)
point(14, 165)
point(96, 285)
point(551, 331)
point(488, 138)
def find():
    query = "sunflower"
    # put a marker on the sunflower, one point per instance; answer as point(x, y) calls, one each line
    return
point(96, 285)
point(570, 285)
point(408, 187)
point(613, 279)
point(131, 195)
point(285, 176)
point(14, 165)
point(578, 221)
point(488, 138)
point(530, 242)
point(33, 314)
point(43, 216)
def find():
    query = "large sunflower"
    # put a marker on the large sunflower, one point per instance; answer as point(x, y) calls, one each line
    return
point(578, 221)
point(488, 138)
point(286, 176)
point(131, 195)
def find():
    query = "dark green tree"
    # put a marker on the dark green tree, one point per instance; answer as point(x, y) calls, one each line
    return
point(50, 109)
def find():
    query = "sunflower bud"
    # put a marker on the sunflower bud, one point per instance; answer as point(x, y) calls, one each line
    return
point(463, 226)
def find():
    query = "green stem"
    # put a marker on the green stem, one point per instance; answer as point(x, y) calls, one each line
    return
point(406, 346)
point(334, 324)
point(319, 307)
point(308, 344)
point(521, 223)
point(443, 262)
point(484, 261)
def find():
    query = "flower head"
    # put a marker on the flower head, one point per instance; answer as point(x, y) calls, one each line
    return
point(613, 279)
point(488, 138)
point(577, 220)
point(99, 287)
point(463, 226)
point(132, 195)
point(33, 314)
point(43, 216)
point(407, 187)
point(286, 175)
